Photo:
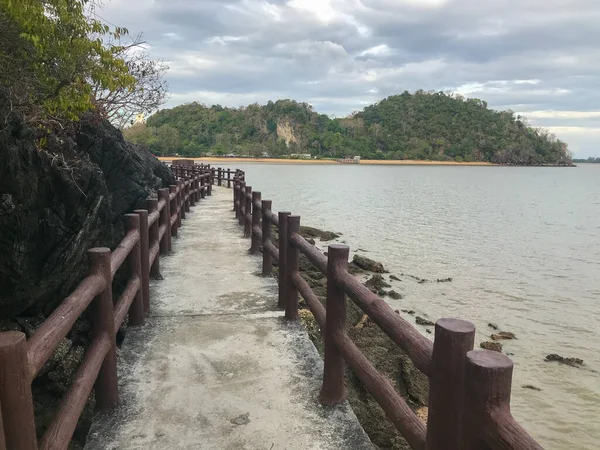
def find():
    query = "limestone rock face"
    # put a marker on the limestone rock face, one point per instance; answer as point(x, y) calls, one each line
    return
point(60, 199)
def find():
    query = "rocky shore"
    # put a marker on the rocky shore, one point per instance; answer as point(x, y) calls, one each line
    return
point(381, 351)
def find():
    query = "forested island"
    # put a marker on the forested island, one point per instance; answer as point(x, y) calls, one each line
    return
point(422, 126)
point(590, 160)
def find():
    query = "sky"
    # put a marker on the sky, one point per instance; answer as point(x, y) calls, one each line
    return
point(539, 58)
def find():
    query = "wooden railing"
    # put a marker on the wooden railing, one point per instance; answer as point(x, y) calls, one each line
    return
point(469, 390)
point(149, 233)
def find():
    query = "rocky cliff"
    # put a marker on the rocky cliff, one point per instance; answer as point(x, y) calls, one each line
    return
point(58, 198)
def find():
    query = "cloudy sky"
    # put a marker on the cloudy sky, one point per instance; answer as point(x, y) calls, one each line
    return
point(540, 58)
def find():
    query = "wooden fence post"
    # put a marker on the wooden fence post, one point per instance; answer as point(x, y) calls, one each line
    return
point(219, 175)
point(202, 185)
point(190, 191)
point(453, 339)
point(165, 219)
point(136, 310)
point(255, 245)
point(293, 264)
point(103, 321)
point(488, 381)
point(181, 201)
point(153, 237)
point(15, 392)
point(267, 263)
point(145, 256)
point(2, 438)
point(242, 201)
point(211, 178)
point(228, 178)
point(236, 189)
point(333, 391)
point(248, 210)
point(173, 209)
point(283, 247)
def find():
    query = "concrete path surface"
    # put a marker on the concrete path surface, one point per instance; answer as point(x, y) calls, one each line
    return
point(215, 366)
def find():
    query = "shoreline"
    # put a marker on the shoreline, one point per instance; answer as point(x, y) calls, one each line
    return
point(396, 162)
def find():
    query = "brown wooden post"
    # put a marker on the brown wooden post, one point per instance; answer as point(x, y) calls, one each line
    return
point(15, 392)
point(181, 202)
point(173, 210)
point(203, 182)
point(165, 218)
point(190, 191)
point(145, 256)
point(136, 310)
point(293, 264)
point(283, 247)
point(453, 339)
point(255, 245)
point(236, 189)
point(219, 176)
point(248, 210)
point(211, 179)
point(242, 201)
point(333, 391)
point(228, 178)
point(488, 381)
point(2, 438)
point(153, 236)
point(103, 322)
point(267, 263)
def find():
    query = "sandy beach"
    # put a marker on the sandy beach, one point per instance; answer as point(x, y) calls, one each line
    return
point(398, 162)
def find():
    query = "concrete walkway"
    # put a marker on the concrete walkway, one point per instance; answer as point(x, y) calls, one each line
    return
point(216, 367)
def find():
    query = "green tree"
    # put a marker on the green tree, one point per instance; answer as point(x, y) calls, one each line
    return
point(63, 54)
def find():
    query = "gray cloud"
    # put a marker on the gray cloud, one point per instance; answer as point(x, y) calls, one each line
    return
point(536, 57)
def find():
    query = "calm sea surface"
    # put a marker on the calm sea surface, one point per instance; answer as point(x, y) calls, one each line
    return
point(522, 246)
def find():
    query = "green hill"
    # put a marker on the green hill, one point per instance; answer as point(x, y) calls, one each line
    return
point(423, 125)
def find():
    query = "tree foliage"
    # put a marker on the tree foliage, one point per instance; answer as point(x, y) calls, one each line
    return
point(423, 125)
point(57, 61)
point(124, 103)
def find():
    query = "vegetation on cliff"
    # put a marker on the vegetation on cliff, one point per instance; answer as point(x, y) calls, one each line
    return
point(422, 125)
point(58, 61)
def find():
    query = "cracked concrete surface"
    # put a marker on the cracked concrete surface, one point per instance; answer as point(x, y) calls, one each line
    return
point(216, 366)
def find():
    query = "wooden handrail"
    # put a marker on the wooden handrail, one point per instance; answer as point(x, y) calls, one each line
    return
point(21, 360)
point(416, 346)
point(53, 330)
point(71, 406)
point(311, 252)
point(120, 254)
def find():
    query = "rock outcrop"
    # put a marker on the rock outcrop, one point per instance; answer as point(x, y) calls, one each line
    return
point(59, 200)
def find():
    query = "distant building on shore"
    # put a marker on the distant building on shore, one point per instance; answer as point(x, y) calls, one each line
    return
point(355, 160)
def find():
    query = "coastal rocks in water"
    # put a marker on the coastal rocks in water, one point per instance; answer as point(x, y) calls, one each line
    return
point(531, 386)
point(376, 284)
point(310, 232)
point(493, 326)
point(491, 345)
point(394, 278)
point(444, 280)
point(503, 335)
point(408, 311)
point(368, 264)
point(421, 321)
point(573, 362)
point(393, 294)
